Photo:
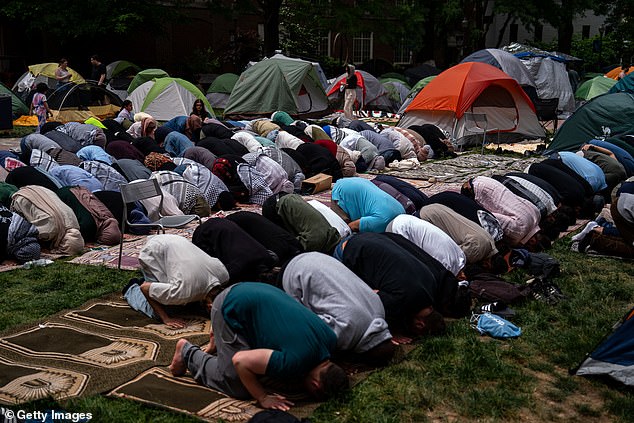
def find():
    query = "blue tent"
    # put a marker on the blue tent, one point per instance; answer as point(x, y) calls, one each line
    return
point(614, 357)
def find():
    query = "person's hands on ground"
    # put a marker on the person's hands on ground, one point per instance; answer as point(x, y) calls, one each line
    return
point(275, 402)
point(175, 323)
point(400, 339)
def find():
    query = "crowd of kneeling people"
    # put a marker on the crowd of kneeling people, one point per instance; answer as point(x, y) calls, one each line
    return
point(303, 282)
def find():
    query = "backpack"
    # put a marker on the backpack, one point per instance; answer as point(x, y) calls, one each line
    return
point(490, 288)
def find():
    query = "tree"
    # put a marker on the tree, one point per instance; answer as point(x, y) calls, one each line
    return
point(559, 14)
point(89, 18)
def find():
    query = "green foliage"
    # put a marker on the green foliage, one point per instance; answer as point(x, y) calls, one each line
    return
point(89, 18)
point(296, 37)
point(203, 60)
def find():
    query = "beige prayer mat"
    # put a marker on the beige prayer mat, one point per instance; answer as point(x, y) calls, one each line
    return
point(158, 387)
point(119, 316)
point(21, 383)
point(59, 341)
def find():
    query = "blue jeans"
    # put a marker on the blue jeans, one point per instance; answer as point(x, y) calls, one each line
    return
point(138, 302)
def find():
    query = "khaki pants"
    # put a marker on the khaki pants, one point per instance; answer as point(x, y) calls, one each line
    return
point(348, 105)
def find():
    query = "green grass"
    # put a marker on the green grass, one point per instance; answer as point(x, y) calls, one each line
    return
point(460, 376)
point(17, 132)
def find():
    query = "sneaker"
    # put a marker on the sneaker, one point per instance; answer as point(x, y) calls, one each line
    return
point(498, 308)
point(545, 291)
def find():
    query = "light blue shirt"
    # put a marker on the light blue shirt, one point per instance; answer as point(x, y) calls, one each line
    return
point(586, 169)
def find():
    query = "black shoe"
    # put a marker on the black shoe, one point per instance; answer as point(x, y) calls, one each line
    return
point(133, 281)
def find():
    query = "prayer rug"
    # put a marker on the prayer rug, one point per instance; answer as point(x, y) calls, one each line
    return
point(63, 342)
point(119, 316)
point(465, 166)
point(21, 383)
point(158, 387)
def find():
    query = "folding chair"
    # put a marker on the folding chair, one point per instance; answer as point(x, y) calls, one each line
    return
point(477, 123)
point(546, 111)
point(141, 190)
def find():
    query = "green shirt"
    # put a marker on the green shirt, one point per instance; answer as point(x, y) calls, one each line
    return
point(269, 318)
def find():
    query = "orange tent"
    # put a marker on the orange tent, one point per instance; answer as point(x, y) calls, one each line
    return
point(614, 73)
point(475, 87)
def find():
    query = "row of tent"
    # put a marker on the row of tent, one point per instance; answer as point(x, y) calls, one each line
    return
point(300, 88)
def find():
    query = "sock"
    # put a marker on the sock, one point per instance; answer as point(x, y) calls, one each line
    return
point(581, 235)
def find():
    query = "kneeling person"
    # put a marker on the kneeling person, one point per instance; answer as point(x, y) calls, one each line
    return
point(262, 331)
point(176, 272)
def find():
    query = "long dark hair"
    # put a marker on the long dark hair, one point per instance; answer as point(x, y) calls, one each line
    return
point(203, 111)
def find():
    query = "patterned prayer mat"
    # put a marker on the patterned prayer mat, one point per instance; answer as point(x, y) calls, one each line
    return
point(158, 387)
point(119, 316)
point(21, 383)
point(90, 350)
point(59, 341)
point(465, 166)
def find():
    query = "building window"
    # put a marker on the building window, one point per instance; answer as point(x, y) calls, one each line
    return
point(585, 32)
point(513, 32)
point(539, 32)
point(401, 52)
point(362, 47)
point(323, 45)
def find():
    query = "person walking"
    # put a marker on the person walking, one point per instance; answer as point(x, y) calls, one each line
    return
point(39, 105)
point(350, 95)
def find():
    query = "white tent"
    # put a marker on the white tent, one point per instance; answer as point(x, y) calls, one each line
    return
point(165, 98)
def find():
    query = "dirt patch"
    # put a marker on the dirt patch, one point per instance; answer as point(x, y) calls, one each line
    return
point(551, 403)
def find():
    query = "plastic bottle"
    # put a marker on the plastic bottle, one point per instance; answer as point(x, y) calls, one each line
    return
point(36, 263)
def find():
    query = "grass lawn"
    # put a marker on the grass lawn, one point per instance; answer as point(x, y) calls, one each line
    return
point(457, 377)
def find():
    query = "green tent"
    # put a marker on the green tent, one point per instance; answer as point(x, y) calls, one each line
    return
point(18, 107)
point(278, 84)
point(624, 85)
point(120, 68)
point(220, 90)
point(145, 76)
point(594, 87)
point(394, 75)
point(165, 98)
point(223, 83)
point(606, 115)
point(414, 92)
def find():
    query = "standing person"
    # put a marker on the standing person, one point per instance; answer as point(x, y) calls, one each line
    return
point(39, 105)
point(98, 70)
point(351, 91)
point(62, 74)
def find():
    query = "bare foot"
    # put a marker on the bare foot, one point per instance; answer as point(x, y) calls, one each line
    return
point(177, 367)
point(211, 346)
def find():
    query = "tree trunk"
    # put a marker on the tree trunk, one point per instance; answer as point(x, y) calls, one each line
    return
point(271, 25)
point(565, 30)
point(505, 25)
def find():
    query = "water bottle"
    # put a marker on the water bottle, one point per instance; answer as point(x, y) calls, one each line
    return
point(36, 263)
